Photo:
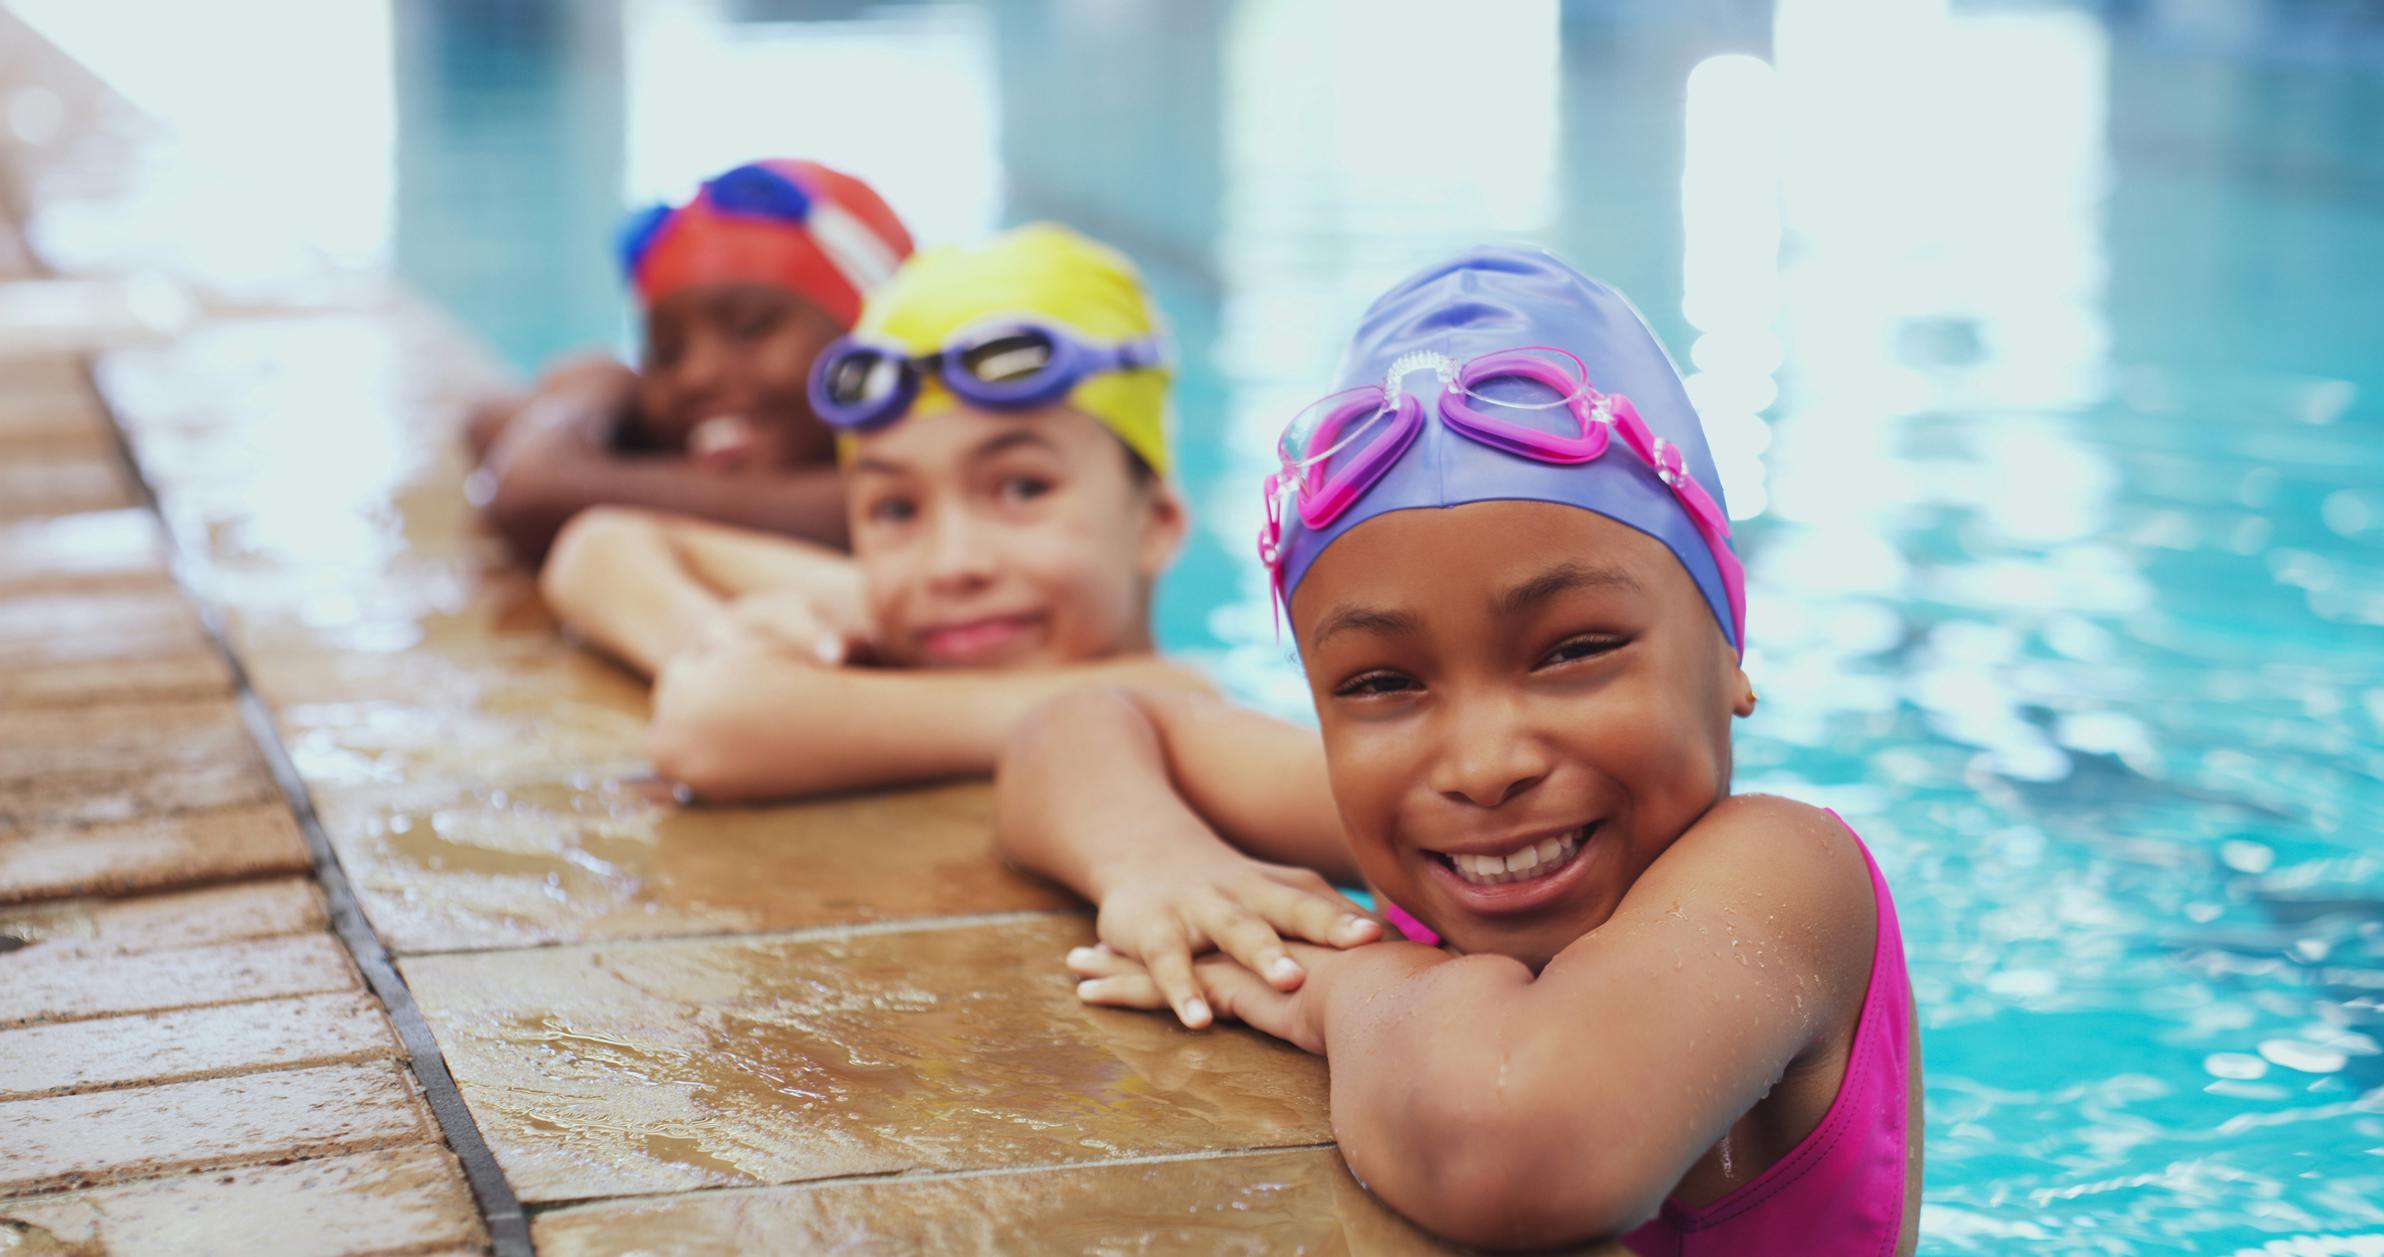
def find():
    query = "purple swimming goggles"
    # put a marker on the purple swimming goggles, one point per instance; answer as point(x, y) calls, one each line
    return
point(1014, 364)
point(1534, 402)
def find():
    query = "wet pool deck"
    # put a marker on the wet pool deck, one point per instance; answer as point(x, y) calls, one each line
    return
point(246, 623)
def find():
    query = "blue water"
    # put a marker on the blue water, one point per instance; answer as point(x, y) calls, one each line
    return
point(2043, 347)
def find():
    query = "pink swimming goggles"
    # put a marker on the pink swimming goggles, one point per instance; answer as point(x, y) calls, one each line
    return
point(1534, 402)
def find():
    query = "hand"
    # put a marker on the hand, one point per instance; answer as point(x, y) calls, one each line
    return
point(1240, 907)
point(788, 623)
point(1294, 1016)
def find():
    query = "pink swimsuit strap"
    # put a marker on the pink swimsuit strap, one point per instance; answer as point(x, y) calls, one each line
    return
point(1840, 1190)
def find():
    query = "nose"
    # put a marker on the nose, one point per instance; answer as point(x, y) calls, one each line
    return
point(703, 368)
point(1489, 756)
point(958, 556)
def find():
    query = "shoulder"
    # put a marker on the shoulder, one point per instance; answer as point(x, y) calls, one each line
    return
point(1788, 868)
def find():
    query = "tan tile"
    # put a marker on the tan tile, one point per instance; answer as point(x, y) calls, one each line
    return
point(398, 606)
point(92, 550)
point(192, 918)
point(38, 988)
point(404, 370)
point(51, 481)
point(56, 432)
point(193, 1043)
point(444, 868)
point(652, 1067)
point(1256, 1204)
point(170, 678)
point(118, 762)
point(46, 630)
point(228, 421)
point(43, 421)
point(392, 1200)
point(70, 1141)
point(56, 859)
point(489, 712)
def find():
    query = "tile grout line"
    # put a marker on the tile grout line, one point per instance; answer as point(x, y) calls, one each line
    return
point(832, 932)
point(928, 1176)
point(500, 1208)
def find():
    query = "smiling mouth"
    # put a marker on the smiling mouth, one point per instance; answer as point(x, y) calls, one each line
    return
point(975, 640)
point(1529, 862)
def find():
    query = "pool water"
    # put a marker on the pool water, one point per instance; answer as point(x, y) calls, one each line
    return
point(2042, 350)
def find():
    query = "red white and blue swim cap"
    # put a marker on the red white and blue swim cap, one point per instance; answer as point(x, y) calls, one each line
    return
point(820, 233)
point(1492, 299)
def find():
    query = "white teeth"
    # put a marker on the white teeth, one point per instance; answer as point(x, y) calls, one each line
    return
point(1524, 864)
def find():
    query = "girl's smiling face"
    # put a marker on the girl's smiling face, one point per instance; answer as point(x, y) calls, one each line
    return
point(1507, 688)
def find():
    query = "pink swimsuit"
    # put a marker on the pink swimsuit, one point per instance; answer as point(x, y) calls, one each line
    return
point(1840, 1191)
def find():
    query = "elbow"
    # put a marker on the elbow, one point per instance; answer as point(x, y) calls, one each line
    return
point(1488, 1172)
point(685, 740)
point(521, 511)
point(582, 554)
point(1033, 750)
point(685, 751)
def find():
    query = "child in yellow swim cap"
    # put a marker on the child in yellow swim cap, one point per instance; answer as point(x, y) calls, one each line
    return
point(1003, 413)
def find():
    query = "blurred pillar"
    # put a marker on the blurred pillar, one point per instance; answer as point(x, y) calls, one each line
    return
point(510, 156)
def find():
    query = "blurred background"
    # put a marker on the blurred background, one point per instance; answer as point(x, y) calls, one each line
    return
point(2041, 348)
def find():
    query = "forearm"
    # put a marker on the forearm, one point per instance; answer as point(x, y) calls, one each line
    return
point(774, 728)
point(1085, 796)
point(1471, 1133)
point(534, 499)
point(615, 579)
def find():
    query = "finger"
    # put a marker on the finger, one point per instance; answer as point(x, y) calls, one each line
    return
point(1301, 879)
point(1100, 962)
point(1318, 918)
point(1171, 970)
point(1240, 994)
point(1250, 940)
point(1127, 991)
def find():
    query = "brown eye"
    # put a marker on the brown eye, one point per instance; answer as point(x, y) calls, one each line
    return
point(1573, 650)
point(1370, 684)
point(1025, 488)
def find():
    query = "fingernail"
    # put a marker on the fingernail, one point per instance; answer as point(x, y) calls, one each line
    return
point(1086, 989)
point(1283, 968)
point(1080, 955)
point(829, 650)
point(1196, 1012)
point(1353, 926)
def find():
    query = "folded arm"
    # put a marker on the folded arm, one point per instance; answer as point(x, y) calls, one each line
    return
point(644, 587)
point(1100, 781)
point(552, 458)
point(751, 724)
point(1564, 1107)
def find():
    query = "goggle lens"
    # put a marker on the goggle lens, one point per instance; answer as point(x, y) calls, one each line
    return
point(865, 377)
point(1530, 389)
point(1010, 357)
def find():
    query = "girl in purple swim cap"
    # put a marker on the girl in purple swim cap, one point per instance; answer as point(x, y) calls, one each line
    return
point(1629, 1004)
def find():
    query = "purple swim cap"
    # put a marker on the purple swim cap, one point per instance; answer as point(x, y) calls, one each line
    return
point(1495, 298)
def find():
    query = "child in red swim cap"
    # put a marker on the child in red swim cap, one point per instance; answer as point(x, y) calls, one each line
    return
point(740, 288)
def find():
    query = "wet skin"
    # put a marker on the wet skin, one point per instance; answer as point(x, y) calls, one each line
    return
point(734, 351)
point(1503, 670)
point(1004, 539)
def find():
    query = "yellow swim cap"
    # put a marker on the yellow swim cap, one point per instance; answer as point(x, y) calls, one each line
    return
point(1043, 271)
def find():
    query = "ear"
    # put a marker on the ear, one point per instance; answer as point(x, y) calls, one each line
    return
point(1164, 525)
point(1742, 702)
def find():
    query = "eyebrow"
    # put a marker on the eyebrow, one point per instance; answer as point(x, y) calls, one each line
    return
point(1563, 578)
point(880, 466)
point(1352, 618)
point(1010, 440)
